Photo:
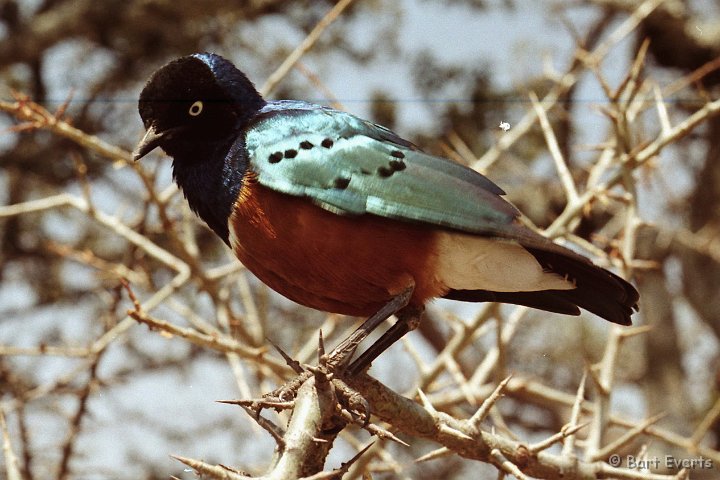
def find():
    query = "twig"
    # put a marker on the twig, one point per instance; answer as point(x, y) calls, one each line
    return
point(506, 465)
point(69, 446)
point(603, 384)
point(624, 439)
point(568, 431)
point(566, 83)
point(376, 430)
point(662, 110)
point(639, 158)
point(12, 470)
point(111, 222)
point(214, 472)
point(569, 443)
point(483, 371)
point(707, 422)
point(460, 340)
point(289, 361)
point(304, 47)
point(435, 454)
point(25, 110)
point(484, 409)
point(338, 473)
point(275, 432)
point(560, 164)
point(45, 350)
point(693, 76)
point(414, 419)
point(220, 343)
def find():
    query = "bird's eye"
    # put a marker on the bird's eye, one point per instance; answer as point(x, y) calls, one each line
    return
point(196, 108)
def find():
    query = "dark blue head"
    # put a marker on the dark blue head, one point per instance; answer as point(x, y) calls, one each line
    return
point(195, 108)
point(193, 102)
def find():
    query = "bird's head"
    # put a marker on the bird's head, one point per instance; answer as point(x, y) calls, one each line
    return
point(194, 100)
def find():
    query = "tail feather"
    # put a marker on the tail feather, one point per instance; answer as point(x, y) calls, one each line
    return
point(543, 300)
point(597, 290)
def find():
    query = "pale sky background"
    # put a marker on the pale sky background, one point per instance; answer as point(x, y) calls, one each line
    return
point(512, 42)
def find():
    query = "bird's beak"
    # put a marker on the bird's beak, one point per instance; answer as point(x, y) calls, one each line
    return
point(152, 140)
point(149, 142)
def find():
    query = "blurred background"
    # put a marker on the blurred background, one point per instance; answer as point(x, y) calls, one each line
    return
point(90, 394)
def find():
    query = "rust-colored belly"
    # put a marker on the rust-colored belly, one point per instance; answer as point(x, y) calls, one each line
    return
point(337, 263)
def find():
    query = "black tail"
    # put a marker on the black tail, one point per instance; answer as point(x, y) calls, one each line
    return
point(597, 290)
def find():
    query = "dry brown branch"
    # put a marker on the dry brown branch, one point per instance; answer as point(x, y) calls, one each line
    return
point(568, 431)
point(636, 159)
point(560, 163)
point(458, 436)
point(569, 441)
point(215, 472)
point(203, 302)
point(304, 47)
point(566, 82)
point(11, 463)
point(484, 409)
point(221, 344)
point(305, 443)
point(707, 422)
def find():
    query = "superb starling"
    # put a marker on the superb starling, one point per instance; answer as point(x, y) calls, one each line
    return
point(343, 215)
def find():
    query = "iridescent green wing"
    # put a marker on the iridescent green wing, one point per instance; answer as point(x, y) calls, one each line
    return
point(351, 166)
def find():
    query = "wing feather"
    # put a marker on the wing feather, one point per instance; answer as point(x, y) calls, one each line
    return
point(351, 166)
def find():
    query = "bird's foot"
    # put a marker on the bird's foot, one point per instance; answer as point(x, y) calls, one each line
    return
point(340, 358)
point(408, 320)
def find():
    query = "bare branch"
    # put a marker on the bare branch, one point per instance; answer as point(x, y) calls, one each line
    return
point(304, 47)
point(11, 463)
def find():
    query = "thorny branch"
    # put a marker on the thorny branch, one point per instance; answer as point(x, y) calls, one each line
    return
point(440, 404)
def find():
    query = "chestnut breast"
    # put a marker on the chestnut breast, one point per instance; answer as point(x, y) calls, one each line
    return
point(348, 264)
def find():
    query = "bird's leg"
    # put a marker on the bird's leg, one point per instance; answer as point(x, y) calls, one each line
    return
point(342, 354)
point(408, 320)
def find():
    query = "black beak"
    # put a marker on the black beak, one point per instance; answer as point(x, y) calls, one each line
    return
point(151, 141)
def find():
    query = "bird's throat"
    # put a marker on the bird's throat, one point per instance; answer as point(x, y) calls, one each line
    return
point(211, 181)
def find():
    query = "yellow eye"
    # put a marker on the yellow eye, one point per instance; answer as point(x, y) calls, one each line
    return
point(196, 108)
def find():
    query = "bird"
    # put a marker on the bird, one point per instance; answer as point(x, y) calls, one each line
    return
point(342, 215)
